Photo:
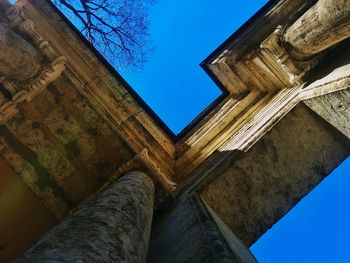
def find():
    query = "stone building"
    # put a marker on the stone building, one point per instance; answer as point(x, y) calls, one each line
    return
point(90, 174)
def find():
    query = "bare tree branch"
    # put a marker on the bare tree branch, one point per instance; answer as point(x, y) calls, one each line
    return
point(118, 28)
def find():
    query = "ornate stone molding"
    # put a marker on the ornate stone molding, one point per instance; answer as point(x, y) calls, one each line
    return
point(29, 63)
point(156, 170)
point(283, 64)
point(142, 160)
point(7, 108)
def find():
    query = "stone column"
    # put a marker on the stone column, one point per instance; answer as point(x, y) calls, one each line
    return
point(113, 227)
point(18, 58)
point(322, 26)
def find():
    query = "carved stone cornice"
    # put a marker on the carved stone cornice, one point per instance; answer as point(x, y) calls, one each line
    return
point(143, 160)
point(104, 90)
point(275, 55)
point(262, 64)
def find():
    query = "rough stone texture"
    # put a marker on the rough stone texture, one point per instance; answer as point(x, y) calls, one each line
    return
point(19, 59)
point(61, 147)
point(263, 184)
point(334, 108)
point(255, 60)
point(107, 92)
point(17, 203)
point(322, 26)
point(70, 139)
point(241, 252)
point(187, 233)
point(114, 227)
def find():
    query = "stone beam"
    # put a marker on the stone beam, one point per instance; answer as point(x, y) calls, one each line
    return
point(113, 227)
point(322, 26)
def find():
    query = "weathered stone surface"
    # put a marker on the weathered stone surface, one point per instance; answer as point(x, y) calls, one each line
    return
point(322, 26)
point(103, 88)
point(70, 140)
point(113, 227)
point(61, 147)
point(241, 252)
point(334, 108)
point(256, 70)
point(187, 233)
point(263, 184)
point(18, 58)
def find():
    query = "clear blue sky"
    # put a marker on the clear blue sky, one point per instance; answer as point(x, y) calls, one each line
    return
point(317, 230)
point(184, 33)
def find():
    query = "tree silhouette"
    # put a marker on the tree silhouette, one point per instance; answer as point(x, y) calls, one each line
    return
point(117, 28)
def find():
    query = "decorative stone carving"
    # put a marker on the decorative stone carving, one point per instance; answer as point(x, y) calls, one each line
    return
point(27, 62)
point(19, 59)
point(142, 159)
point(277, 57)
point(7, 108)
point(295, 49)
point(142, 162)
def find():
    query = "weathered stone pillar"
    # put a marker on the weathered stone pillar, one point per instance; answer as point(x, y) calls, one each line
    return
point(18, 58)
point(113, 227)
point(322, 26)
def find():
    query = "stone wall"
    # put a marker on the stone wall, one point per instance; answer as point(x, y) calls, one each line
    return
point(61, 147)
point(58, 150)
point(262, 185)
point(334, 108)
point(187, 233)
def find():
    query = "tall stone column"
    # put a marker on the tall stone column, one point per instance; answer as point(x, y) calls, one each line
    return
point(322, 26)
point(113, 227)
point(18, 58)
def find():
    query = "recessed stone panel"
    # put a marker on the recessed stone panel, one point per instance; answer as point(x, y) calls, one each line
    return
point(61, 147)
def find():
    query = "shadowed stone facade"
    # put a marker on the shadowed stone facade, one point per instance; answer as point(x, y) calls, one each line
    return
point(88, 174)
